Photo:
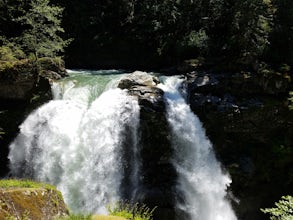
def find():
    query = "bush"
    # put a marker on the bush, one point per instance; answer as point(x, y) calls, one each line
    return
point(10, 52)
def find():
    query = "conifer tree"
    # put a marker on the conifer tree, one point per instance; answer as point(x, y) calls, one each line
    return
point(42, 35)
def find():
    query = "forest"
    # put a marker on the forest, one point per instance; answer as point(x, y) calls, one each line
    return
point(228, 35)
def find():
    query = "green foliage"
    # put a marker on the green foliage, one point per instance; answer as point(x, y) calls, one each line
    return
point(10, 51)
point(16, 183)
point(131, 211)
point(6, 54)
point(241, 32)
point(249, 30)
point(30, 29)
point(42, 35)
point(283, 209)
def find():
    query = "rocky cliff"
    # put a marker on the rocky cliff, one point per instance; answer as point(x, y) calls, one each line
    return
point(247, 119)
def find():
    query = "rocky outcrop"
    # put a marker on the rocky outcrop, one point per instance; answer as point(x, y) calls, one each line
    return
point(246, 117)
point(17, 80)
point(158, 173)
point(31, 203)
point(53, 68)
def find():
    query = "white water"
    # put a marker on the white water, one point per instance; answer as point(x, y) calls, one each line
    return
point(201, 179)
point(75, 142)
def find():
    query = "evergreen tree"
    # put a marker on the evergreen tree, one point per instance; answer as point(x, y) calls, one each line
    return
point(42, 23)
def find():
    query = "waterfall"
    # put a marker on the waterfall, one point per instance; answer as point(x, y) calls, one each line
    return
point(76, 141)
point(85, 141)
point(201, 179)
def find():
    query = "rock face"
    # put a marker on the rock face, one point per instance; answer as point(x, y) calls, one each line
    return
point(30, 203)
point(158, 174)
point(17, 81)
point(251, 129)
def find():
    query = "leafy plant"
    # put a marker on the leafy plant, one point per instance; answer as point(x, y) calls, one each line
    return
point(283, 209)
point(131, 211)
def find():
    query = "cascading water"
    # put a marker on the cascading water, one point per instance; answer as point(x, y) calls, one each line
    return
point(76, 141)
point(85, 142)
point(200, 176)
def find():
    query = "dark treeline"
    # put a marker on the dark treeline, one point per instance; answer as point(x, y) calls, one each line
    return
point(237, 33)
point(234, 34)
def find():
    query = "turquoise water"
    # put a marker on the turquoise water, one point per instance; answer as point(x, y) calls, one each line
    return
point(85, 86)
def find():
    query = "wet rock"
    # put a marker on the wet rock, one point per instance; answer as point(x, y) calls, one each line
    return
point(213, 92)
point(158, 174)
point(138, 78)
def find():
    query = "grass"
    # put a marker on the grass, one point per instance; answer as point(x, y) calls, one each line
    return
point(16, 183)
point(120, 211)
point(131, 211)
point(23, 183)
point(91, 217)
point(102, 217)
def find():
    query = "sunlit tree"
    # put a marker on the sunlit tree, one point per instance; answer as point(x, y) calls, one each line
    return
point(41, 35)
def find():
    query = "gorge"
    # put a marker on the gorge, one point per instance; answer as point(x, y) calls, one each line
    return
point(100, 144)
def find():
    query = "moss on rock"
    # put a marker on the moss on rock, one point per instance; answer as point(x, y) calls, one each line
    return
point(27, 199)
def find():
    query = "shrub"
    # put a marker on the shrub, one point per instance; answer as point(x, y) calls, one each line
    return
point(11, 52)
